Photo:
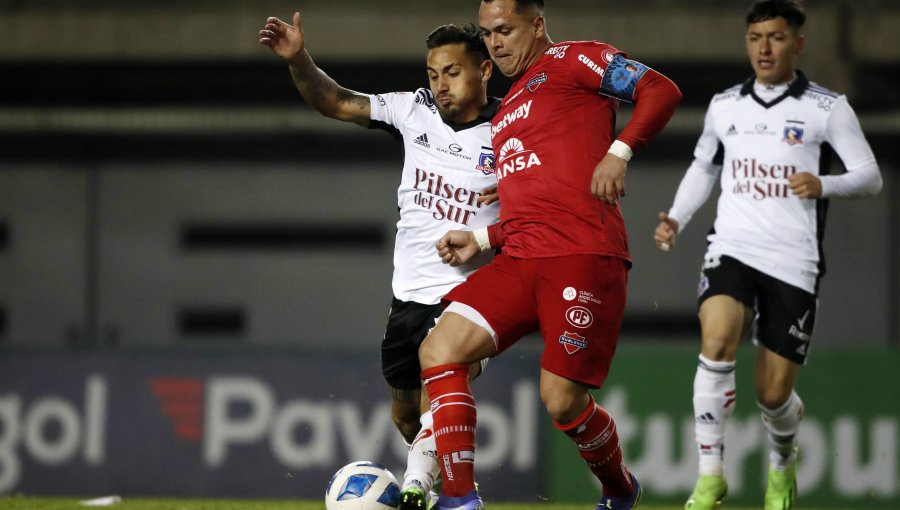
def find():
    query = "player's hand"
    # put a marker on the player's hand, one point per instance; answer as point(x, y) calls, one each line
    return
point(666, 232)
point(488, 195)
point(608, 181)
point(805, 185)
point(457, 247)
point(283, 39)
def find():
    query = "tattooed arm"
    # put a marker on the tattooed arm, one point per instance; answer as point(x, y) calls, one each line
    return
point(316, 87)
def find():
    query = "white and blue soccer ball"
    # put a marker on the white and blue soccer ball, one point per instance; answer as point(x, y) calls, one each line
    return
point(362, 485)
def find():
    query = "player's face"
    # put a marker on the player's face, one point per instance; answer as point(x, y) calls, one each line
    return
point(511, 37)
point(773, 46)
point(458, 82)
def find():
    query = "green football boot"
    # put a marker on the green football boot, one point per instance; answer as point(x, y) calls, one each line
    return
point(708, 493)
point(413, 498)
point(781, 490)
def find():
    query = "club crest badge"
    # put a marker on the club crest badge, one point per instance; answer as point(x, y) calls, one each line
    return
point(793, 132)
point(535, 82)
point(572, 342)
point(486, 163)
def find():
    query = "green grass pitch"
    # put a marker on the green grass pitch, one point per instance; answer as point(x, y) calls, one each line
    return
point(40, 503)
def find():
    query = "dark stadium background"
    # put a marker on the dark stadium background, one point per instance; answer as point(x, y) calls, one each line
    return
point(164, 190)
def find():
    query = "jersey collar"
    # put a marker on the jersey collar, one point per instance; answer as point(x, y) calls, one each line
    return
point(485, 115)
point(795, 90)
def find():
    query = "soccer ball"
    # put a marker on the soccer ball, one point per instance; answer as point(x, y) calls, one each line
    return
point(362, 486)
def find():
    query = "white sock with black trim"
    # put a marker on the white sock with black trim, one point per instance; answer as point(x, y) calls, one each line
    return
point(714, 402)
point(782, 425)
point(421, 462)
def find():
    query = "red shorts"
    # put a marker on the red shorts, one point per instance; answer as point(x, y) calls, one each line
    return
point(575, 301)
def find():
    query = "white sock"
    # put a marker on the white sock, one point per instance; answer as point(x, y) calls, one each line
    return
point(421, 463)
point(782, 425)
point(714, 402)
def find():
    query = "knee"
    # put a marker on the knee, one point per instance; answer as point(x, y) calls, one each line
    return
point(443, 347)
point(718, 348)
point(432, 352)
point(772, 398)
point(564, 407)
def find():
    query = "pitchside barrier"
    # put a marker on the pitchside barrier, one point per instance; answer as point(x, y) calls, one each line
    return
point(849, 439)
point(278, 424)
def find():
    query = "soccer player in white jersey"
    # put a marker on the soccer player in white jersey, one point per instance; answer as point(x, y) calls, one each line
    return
point(763, 140)
point(448, 182)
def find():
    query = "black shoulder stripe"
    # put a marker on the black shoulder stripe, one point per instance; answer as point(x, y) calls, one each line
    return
point(384, 126)
point(719, 157)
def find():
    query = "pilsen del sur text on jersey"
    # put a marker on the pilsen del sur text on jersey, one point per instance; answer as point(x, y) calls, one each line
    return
point(761, 180)
point(448, 202)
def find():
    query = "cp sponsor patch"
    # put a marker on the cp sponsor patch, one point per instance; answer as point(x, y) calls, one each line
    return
point(579, 316)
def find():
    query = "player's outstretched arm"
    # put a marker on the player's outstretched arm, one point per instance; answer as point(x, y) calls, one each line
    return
point(666, 232)
point(317, 88)
point(457, 247)
point(655, 98)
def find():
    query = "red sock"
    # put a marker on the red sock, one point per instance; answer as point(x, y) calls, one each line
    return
point(453, 409)
point(594, 432)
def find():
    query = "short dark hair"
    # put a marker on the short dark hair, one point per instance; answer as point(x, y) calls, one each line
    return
point(764, 10)
point(522, 4)
point(467, 34)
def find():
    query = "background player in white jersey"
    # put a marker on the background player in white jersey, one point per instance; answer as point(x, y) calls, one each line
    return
point(763, 140)
point(448, 181)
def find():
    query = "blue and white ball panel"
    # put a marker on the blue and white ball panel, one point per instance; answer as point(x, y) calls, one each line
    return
point(390, 496)
point(362, 486)
point(356, 486)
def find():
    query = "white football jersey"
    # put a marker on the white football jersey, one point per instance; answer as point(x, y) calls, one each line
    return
point(756, 139)
point(446, 166)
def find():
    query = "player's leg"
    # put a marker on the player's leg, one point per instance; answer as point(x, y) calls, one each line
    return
point(422, 477)
point(725, 316)
point(581, 300)
point(780, 407)
point(445, 357)
point(482, 319)
point(786, 322)
point(423, 473)
point(405, 411)
point(408, 323)
point(400, 365)
point(422, 469)
point(593, 430)
point(723, 321)
point(781, 411)
point(400, 362)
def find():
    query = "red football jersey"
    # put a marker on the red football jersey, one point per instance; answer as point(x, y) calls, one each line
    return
point(551, 131)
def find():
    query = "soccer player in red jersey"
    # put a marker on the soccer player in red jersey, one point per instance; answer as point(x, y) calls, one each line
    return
point(565, 260)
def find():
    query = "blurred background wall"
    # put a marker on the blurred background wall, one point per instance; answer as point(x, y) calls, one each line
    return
point(163, 184)
point(181, 235)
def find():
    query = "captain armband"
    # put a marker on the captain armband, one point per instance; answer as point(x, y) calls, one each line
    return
point(621, 78)
point(621, 149)
point(482, 238)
